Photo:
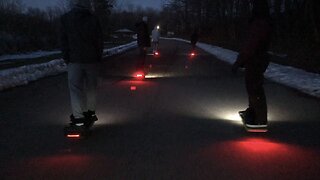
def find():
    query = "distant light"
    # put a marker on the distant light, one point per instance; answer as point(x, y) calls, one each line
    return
point(193, 54)
point(156, 53)
point(158, 27)
point(139, 75)
point(133, 88)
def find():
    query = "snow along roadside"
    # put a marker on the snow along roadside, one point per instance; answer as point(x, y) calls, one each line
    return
point(13, 77)
point(301, 80)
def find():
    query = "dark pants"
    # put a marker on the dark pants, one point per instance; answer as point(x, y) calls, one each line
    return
point(83, 81)
point(142, 58)
point(193, 45)
point(257, 100)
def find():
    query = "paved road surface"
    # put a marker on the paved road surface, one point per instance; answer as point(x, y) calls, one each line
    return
point(180, 123)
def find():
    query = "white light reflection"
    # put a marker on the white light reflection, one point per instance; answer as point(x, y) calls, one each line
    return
point(113, 118)
point(215, 111)
point(227, 113)
point(232, 117)
point(156, 75)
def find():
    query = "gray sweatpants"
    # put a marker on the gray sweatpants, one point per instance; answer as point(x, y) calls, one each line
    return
point(82, 80)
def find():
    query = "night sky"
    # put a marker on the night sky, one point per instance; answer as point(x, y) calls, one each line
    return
point(122, 3)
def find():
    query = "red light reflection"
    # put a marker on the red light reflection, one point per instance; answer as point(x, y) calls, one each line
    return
point(64, 166)
point(253, 157)
point(73, 136)
point(259, 145)
point(139, 75)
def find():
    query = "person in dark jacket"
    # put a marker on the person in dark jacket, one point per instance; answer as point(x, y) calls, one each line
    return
point(254, 58)
point(194, 38)
point(143, 39)
point(82, 46)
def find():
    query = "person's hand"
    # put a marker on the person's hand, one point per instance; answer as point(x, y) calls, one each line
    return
point(235, 67)
point(239, 63)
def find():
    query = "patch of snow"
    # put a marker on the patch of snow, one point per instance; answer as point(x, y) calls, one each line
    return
point(31, 55)
point(23, 75)
point(301, 80)
point(13, 77)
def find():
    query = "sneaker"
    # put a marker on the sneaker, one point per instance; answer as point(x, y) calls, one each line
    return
point(250, 122)
point(91, 115)
point(77, 121)
point(248, 115)
point(257, 127)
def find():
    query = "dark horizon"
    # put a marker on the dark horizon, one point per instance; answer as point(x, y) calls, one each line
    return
point(42, 4)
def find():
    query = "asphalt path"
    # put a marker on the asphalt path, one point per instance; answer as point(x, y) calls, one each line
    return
point(180, 122)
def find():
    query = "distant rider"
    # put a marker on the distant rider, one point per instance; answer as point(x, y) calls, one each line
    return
point(143, 39)
point(155, 38)
point(194, 38)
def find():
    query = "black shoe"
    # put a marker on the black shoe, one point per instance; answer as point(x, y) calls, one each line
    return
point(90, 115)
point(77, 121)
point(252, 125)
point(248, 114)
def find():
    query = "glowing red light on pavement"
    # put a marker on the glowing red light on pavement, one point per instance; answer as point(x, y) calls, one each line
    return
point(258, 130)
point(73, 135)
point(259, 145)
point(139, 75)
point(133, 88)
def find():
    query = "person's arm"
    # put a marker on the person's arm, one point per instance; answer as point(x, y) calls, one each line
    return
point(99, 38)
point(64, 43)
point(257, 34)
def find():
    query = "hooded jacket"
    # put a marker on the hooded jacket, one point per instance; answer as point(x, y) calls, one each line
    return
point(143, 34)
point(253, 54)
point(81, 37)
point(155, 35)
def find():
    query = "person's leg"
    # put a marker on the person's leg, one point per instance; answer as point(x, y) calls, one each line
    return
point(76, 88)
point(256, 96)
point(143, 51)
point(91, 84)
point(142, 58)
point(154, 46)
point(193, 47)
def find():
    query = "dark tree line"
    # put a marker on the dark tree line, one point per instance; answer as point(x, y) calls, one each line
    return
point(223, 22)
point(25, 29)
point(127, 18)
point(227, 17)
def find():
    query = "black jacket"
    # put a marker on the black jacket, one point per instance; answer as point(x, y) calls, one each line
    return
point(253, 54)
point(194, 37)
point(143, 34)
point(81, 37)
